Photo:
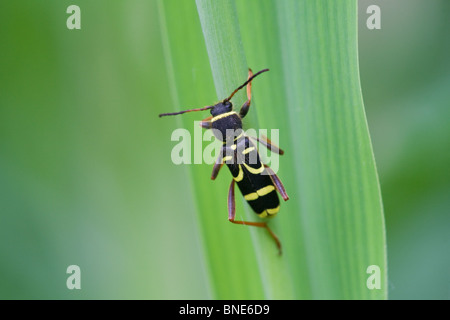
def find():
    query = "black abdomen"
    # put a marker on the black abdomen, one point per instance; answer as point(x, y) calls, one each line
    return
point(252, 179)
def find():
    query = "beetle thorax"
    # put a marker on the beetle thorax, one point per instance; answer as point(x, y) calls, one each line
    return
point(226, 123)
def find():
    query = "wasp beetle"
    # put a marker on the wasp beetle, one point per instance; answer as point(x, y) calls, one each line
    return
point(258, 182)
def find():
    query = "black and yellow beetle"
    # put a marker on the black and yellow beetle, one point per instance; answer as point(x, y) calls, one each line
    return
point(257, 182)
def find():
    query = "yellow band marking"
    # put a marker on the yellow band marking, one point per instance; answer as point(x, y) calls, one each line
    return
point(248, 150)
point(254, 171)
point(263, 214)
point(239, 136)
point(273, 211)
point(259, 193)
point(240, 175)
point(227, 158)
point(223, 115)
point(233, 146)
point(269, 212)
point(251, 196)
point(235, 139)
point(265, 190)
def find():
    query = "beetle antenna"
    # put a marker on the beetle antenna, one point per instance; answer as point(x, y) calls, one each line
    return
point(245, 83)
point(181, 112)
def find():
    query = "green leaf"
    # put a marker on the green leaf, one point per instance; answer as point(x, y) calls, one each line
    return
point(332, 228)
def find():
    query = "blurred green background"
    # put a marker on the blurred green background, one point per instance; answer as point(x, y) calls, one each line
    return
point(405, 78)
point(85, 170)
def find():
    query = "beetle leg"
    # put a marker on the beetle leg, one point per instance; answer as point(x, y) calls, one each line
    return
point(268, 144)
point(277, 183)
point(246, 105)
point(232, 215)
point(206, 123)
point(218, 165)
